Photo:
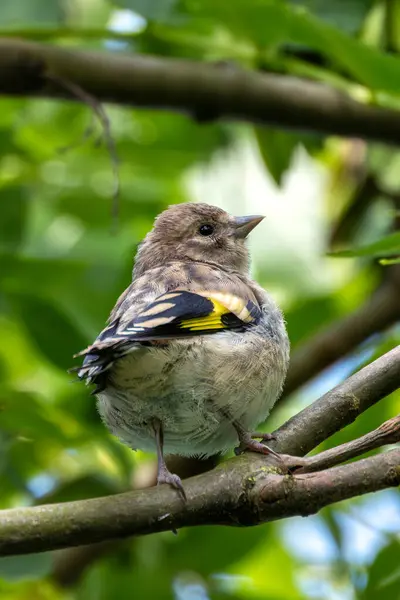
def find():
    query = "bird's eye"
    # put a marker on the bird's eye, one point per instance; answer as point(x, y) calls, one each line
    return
point(206, 229)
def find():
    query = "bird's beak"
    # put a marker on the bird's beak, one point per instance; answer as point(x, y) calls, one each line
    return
point(243, 225)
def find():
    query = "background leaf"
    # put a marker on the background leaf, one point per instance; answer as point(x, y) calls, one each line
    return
point(50, 329)
point(13, 216)
point(158, 10)
point(34, 11)
point(277, 149)
point(384, 574)
point(384, 247)
point(29, 566)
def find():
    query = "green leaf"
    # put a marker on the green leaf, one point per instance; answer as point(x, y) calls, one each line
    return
point(50, 329)
point(229, 545)
point(384, 575)
point(389, 261)
point(23, 415)
point(384, 247)
point(26, 566)
point(270, 24)
point(328, 515)
point(87, 486)
point(306, 316)
point(18, 272)
point(153, 10)
point(115, 578)
point(13, 215)
point(276, 148)
point(346, 15)
point(20, 12)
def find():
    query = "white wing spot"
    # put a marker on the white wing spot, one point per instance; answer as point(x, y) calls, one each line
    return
point(133, 329)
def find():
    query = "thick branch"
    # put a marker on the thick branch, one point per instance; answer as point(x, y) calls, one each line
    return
point(69, 564)
point(229, 495)
point(203, 90)
point(241, 491)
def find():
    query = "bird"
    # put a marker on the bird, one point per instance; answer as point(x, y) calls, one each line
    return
point(195, 353)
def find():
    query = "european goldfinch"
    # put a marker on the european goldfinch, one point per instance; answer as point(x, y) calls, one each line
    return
point(195, 352)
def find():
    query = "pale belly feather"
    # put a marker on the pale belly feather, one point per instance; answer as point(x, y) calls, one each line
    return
point(196, 389)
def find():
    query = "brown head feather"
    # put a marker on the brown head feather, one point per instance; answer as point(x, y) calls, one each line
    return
point(176, 235)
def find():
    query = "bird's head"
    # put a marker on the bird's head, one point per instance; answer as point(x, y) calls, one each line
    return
point(197, 232)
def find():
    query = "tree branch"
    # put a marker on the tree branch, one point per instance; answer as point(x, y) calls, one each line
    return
point(229, 495)
point(70, 564)
point(387, 433)
point(203, 90)
point(246, 490)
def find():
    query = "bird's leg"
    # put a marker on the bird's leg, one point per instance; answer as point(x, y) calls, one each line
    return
point(163, 474)
point(247, 441)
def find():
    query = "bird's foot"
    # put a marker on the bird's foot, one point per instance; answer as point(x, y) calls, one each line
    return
point(286, 461)
point(164, 476)
point(247, 442)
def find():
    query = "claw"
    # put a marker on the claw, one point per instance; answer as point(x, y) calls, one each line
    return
point(249, 443)
point(164, 476)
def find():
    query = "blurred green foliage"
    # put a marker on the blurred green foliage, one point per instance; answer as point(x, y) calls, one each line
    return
point(62, 268)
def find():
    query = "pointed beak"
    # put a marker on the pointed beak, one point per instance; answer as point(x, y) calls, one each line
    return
point(243, 225)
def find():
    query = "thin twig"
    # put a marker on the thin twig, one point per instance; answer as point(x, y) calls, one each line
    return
point(387, 433)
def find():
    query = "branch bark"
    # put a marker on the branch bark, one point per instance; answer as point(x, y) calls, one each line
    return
point(387, 433)
point(246, 490)
point(229, 495)
point(205, 91)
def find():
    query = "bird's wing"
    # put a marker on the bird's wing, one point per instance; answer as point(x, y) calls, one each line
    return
point(183, 313)
point(175, 314)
